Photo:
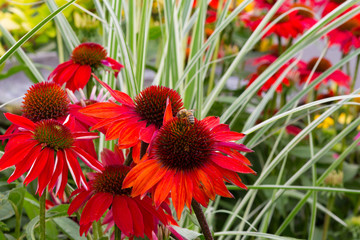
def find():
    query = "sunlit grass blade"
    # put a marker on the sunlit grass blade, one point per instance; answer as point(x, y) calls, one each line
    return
point(33, 73)
point(67, 33)
point(28, 35)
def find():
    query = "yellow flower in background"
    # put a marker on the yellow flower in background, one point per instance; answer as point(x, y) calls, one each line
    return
point(328, 122)
point(345, 118)
point(248, 8)
point(85, 21)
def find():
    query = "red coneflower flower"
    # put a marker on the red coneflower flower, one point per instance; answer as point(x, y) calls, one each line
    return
point(77, 104)
point(267, 4)
point(44, 100)
point(190, 159)
point(134, 120)
point(337, 76)
point(46, 150)
point(85, 58)
point(306, 14)
point(289, 25)
point(133, 216)
point(265, 61)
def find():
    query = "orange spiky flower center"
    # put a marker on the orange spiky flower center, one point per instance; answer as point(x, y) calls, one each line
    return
point(89, 54)
point(53, 134)
point(324, 65)
point(111, 180)
point(262, 68)
point(349, 25)
point(150, 104)
point(338, 1)
point(182, 146)
point(308, 13)
point(45, 100)
point(283, 19)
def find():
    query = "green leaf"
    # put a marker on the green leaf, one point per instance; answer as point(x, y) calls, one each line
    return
point(188, 234)
point(155, 32)
point(57, 211)
point(31, 206)
point(12, 71)
point(69, 227)
point(28, 35)
point(30, 228)
point(350, 170)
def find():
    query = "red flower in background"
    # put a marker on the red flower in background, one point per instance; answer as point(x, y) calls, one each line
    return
point(267, 4)
point(85, 58)
point(289, 25)
point(337, 76)
point(264, 62)
point(133, 216)
point(46, 150)
point(189, 160)
point(306, 14)
point(134, 120)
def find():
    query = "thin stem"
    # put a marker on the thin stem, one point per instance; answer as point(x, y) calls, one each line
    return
point(42, 215)
point(355, 73)
point(143, 149)
point(129, 158)
point(202, 220)
point(117, 233)
point(327, 217)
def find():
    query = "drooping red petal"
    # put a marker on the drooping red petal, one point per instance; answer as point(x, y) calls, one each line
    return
point(74, 168)
point(237, 146)
point(59, 69)
point(25, 164)
point(230, 163)
point(67, 74)
point(103, 110)
point(37, 166)
point(228, 136)
point(16, 154)
point(148, 178)
point(96, 207)
point(147, 133)
point(211, 121)
point(20, 121)
point(88, 159)
point(122, 215)
point(81, 77)
point(178, 194)
point(137, 218)
point(46, 174)
point(119, 96)
point(163, 188)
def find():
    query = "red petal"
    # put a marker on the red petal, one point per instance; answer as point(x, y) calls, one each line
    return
point(122, 215)
point(104, 110)
point(168, 115)
point(138, 221)
point(16, 154)
point(81, 77)
point(66, 75)
point(211, 121)
point(178, 194)
point(37, 166)
point(25, 164)
point(147, 133)
point(119, 96)
point(228, 136)
point(46, 174)
point(230, 163)
point(163, 188)
point(59, 69)
point(88, 159)
point(74, 168)
point(96, 207)
point(20, 121)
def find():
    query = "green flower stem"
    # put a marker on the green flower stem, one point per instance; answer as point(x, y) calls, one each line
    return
point(95, 231)
point(129, 159)
point(42, 215)
point(117, 233)
point(202, 220)
point(327, 217)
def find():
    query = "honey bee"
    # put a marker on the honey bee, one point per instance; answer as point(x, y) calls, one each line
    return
point(186, 114)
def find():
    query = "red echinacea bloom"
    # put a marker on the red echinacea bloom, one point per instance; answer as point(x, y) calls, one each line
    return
point(133, 216)
point(134, 120)
point(267, 4)
point(46, 150)
point(85, 58)
point(190, 160)
point(264, 62)
point(337, 76)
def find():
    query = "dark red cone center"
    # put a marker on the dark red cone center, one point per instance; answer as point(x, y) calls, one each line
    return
point(89, 54)
point(111, 180)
